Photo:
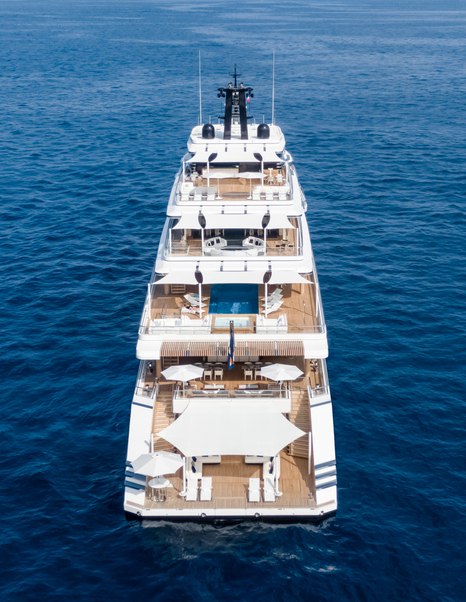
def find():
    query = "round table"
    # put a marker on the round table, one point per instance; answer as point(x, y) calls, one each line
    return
point(159, 488)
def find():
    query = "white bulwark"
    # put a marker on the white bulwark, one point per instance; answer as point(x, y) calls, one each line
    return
point(232, 341)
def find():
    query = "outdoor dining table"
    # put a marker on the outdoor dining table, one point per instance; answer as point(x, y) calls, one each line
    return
point(159, 488)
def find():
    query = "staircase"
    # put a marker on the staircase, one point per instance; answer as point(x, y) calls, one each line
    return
point(300, 417)
point(163, 417)
point(170, 361)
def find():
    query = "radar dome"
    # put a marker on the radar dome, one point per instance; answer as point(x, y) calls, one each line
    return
point(208, 131)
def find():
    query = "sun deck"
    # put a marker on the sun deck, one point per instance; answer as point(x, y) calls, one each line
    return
point(169, 304)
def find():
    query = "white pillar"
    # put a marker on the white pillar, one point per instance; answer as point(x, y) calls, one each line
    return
point(266, 295)
point(200, 300)
point(150, 300)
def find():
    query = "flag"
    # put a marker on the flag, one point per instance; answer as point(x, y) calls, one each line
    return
point(231, 348)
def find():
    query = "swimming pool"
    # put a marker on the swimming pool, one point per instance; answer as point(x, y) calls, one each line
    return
point(234, 299)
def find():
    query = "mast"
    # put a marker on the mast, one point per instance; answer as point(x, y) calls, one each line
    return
point(235, 96)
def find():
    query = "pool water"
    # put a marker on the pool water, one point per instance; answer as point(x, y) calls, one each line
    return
point(234, 299)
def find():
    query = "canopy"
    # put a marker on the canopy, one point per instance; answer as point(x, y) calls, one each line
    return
point(231, 427)
point(235, 154)
point(227, 221)
point(227, 277)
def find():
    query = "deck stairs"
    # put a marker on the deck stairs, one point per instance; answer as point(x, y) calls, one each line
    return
point(163, 416)
point(300, 417)
point(170, 361)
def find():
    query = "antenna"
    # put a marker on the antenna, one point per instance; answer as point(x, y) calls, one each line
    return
point(200, 91)
point(273, 88)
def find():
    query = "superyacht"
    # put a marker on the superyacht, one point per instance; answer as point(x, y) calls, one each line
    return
point(231, 416)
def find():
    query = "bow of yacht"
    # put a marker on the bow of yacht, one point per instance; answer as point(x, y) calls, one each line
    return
point(232, 341)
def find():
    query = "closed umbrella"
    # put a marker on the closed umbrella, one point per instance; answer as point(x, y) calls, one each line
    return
point(281, 372)
point(157, 463)
point(183, 373)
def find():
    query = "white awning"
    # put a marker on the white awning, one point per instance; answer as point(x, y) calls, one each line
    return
point(234, 154)
point(228, 221)
point(231, 427)
point(227, 277)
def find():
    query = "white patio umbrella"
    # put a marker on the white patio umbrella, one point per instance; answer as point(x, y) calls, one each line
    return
point(184, 372)
point(281, 372)
point(157, 463)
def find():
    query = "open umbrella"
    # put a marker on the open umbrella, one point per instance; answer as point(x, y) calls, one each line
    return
point(157, 463)
point(183, 372)
point(281, 372)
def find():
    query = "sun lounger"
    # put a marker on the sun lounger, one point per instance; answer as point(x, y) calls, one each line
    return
point(269, 490)
point(193, 300)
point(191, 488)
point(206, 489)
point(196, 296)
point(274, 294)
point(275, 306)
point(254, 492)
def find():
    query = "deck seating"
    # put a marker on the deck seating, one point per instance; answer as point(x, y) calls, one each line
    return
point(215, 243)
point(274, 306)
point(191, 489)
point(253, 242)
point(248, 372)
point(206, 489)
point(254, 492)
point(269, 490)
point(276, 295)
point(193, 300)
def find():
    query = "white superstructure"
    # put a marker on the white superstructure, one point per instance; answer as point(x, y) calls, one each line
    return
point(233, 317)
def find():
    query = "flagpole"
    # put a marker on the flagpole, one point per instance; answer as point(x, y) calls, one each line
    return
point(200, 91)
point(273, 88)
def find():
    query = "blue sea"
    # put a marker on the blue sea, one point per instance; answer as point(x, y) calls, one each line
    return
point(96, 102)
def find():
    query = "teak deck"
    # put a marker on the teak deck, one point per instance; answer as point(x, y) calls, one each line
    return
point(230, 481)
point(299, 305)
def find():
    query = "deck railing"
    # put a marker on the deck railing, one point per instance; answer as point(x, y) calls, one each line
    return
point(144, 388)
point(220, 392)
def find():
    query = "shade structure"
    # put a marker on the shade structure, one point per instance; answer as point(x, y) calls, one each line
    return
point(239, 427)
point(157, 463)
point(281, 372)
point(183, 373)
point(226, 276)
point(238, 220)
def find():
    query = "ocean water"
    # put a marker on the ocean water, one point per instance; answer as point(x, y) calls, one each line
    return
point(97, 100)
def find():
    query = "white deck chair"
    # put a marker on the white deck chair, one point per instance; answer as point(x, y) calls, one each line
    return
point(269, 490)
point(206, 489)
point(191, 489)
point(274, 296)
point(254, 492)
point(274, 307)
point(248, 373)
point(191, 299)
